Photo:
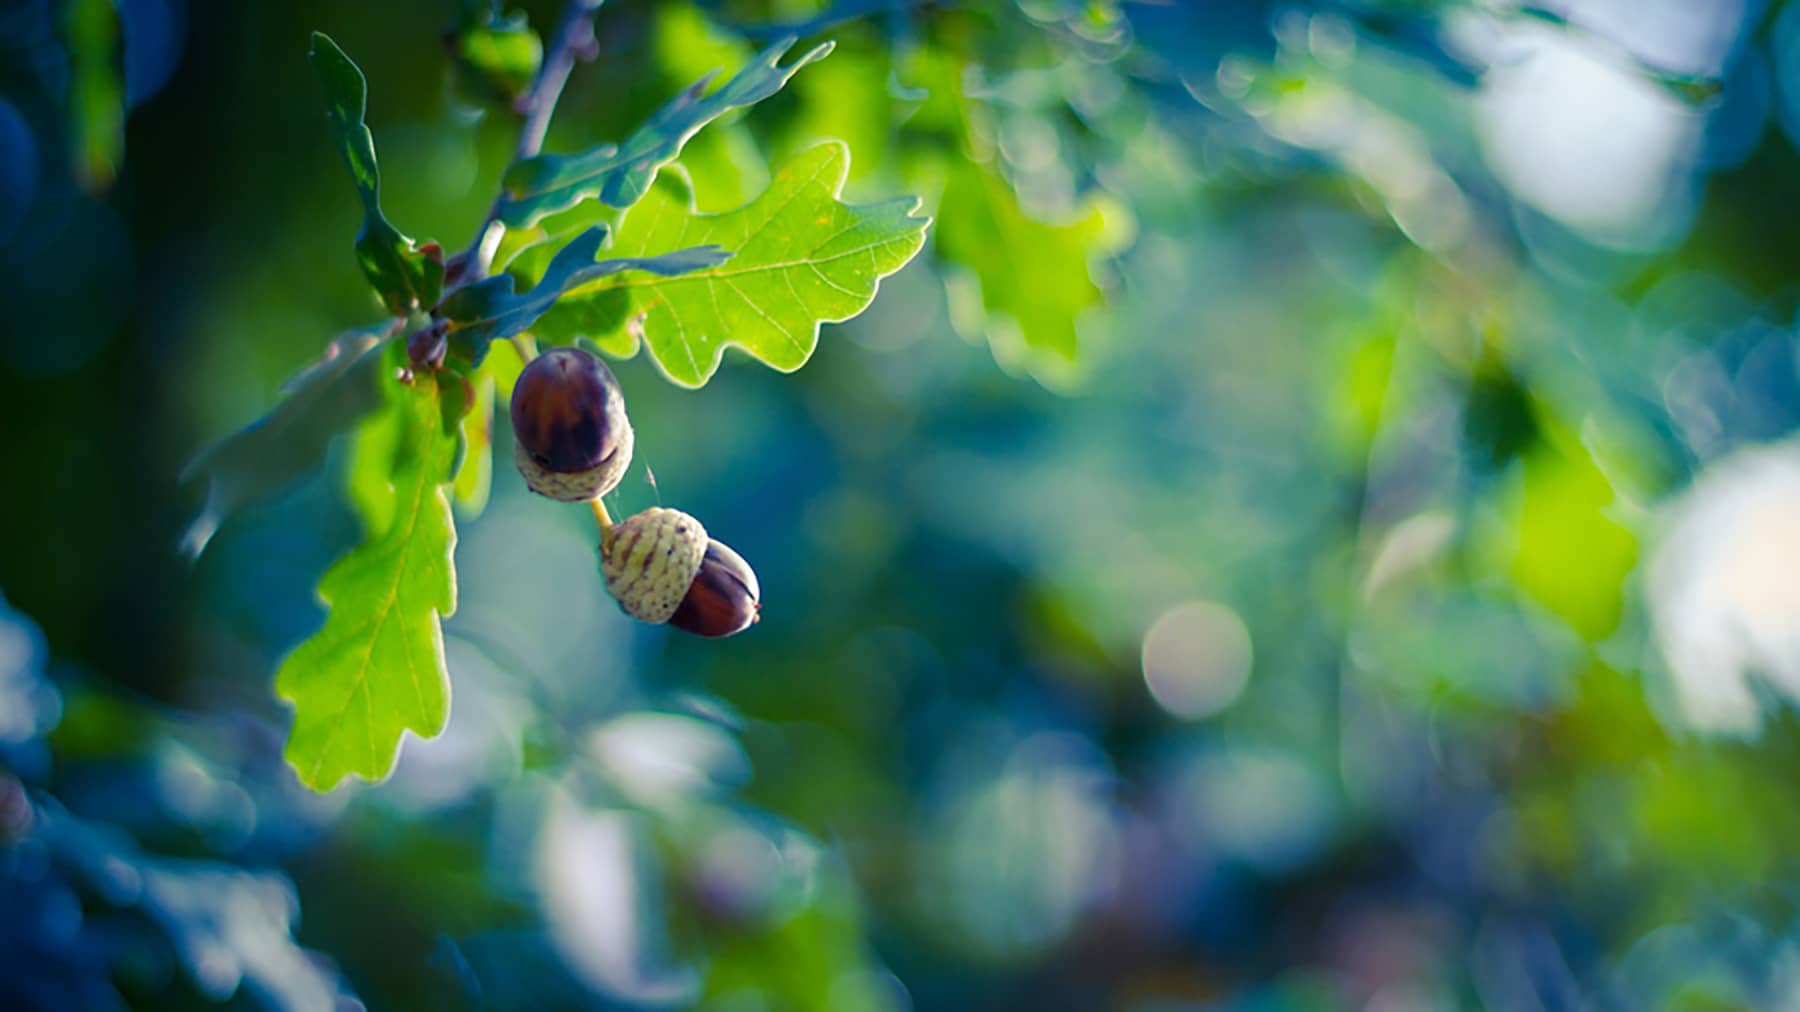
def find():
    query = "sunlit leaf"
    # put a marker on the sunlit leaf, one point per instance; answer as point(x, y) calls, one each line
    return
point(474, 478)
point(802, 258)
point(504, 363)
point(265, 457)
point(405, 274)
point(620, 174)
point(490, 310)
point(376, 667)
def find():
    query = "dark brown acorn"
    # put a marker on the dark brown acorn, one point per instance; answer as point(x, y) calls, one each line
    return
point(662, 567)
point(724, 598)
point(573, 440)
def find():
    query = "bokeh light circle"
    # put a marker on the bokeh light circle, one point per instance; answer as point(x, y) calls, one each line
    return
point(1196, 659)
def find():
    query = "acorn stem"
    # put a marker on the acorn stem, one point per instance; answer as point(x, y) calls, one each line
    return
point(601, 517)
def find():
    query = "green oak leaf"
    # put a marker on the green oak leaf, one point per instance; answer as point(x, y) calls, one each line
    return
point(406, 275)
point(504, 364)
point(491, 309)
point(475, 478)
point(375, 669)
point(259, 461)
point(802, 258)
point(619, 175)
point(525, 252)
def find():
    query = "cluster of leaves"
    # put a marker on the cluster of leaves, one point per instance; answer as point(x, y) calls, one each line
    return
point(225, 929)
point(926, 110)
point(684, 284)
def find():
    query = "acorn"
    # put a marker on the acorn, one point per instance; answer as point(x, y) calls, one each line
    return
point(724, 599)
point(662, 567)
point(572, 440)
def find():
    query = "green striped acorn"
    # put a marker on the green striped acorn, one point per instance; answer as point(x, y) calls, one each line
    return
point(662, 567)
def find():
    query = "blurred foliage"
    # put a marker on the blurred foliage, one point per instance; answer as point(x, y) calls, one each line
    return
point(261, 461)
point(96, 98)
point(1349, 565)
point(497, 55)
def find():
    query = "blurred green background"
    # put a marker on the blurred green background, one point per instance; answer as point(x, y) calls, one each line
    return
point(1319, 527)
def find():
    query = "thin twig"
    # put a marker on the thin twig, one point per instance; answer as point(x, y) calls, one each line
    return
point(574, 39)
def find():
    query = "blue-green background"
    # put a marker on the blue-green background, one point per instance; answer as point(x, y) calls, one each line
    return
point(1448, 361)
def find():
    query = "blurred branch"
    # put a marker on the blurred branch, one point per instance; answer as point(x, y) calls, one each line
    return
point(574, 41)
point(845, 11)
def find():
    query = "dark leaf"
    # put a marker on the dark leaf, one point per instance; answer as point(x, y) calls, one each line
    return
point(406, 275)
point(620, 174)
point(265, 457)
point(490, 309)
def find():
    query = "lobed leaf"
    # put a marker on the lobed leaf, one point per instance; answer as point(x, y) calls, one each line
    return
point(803, 258)
point(491, 309)
point(375, 669)
point(406, 275)
point(619, 175)
point(263, 458)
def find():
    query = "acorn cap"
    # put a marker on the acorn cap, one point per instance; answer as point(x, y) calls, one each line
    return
point(576, 486)
point(573, 439)
point(650, 560)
